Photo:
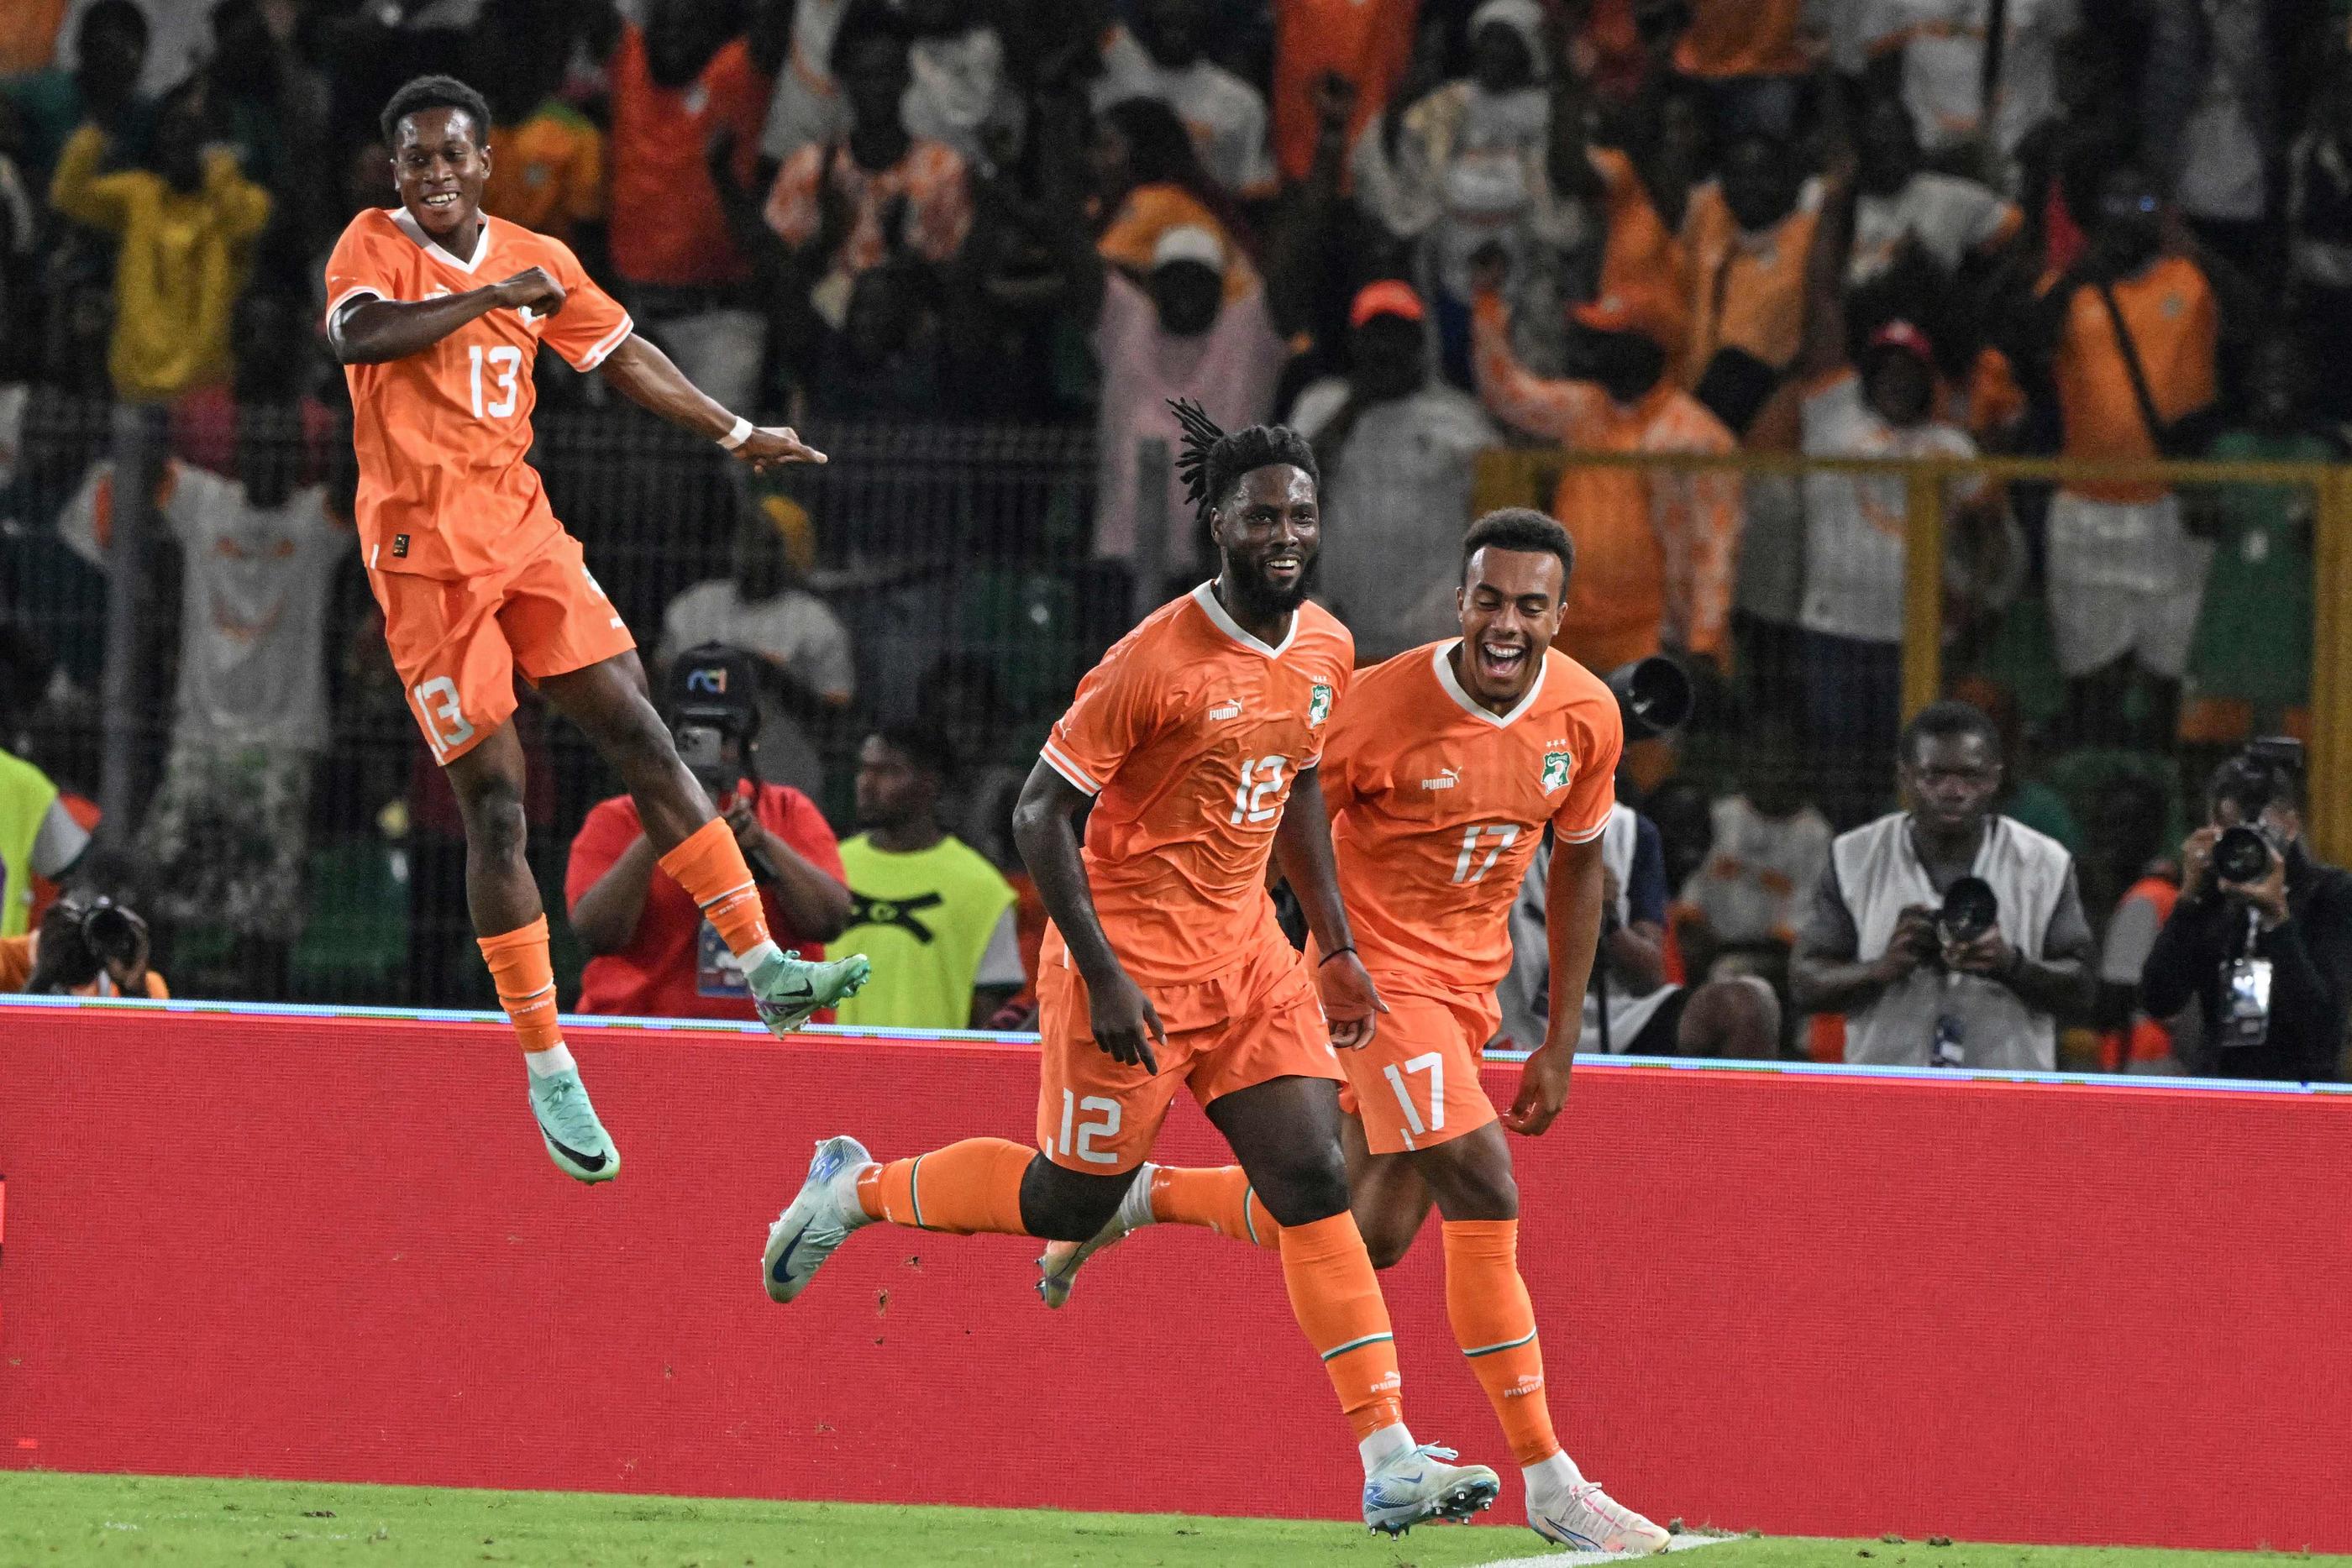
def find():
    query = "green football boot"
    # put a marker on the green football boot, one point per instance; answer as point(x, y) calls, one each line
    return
point(576, 1140)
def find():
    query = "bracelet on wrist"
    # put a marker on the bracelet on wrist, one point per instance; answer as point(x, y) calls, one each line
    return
point(1346, 947)
point(737, 436)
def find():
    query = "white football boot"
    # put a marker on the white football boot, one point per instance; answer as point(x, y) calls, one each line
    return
point(818, 1220)
point(1415, 1485)
point(1590, 1519)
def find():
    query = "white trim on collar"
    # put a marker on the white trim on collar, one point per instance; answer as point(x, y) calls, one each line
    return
point(405, 222)
point(1205, 596)
point(1444, 667)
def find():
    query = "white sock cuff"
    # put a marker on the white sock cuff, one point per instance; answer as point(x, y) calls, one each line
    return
point(1385, 1445)
point(1559, 1472)
point(555, 1059)
point(759, 953)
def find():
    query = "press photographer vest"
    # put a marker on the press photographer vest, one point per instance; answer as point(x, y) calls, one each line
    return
point(1879, 874)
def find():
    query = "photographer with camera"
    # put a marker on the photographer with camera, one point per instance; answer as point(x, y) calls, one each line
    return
point(1948, 935)
point(2261, 935)
point(653, 955)
point(85, 945)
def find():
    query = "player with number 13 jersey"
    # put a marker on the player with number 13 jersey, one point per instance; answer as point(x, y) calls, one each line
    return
point(436, 310)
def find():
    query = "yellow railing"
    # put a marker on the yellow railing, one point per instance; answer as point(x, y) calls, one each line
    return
point(1528, 476)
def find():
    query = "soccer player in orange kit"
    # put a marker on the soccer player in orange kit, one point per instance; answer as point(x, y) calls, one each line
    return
point(477, 578)
point(1196, 739)
point(1442, 775)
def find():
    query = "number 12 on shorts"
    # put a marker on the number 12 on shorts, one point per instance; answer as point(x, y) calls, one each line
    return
point(1433, 1064)
point(1088, 1132)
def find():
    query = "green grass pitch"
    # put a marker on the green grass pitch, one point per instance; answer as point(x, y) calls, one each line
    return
point(67, 1521)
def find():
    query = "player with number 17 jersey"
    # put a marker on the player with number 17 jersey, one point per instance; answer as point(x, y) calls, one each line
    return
point(1438, 804)
point(454, 524)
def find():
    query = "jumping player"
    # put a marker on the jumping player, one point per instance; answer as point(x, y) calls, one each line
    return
point(1441, 776)
point(476, 577)
point(1197, 740)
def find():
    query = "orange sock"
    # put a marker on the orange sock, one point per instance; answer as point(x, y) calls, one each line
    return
point(966, 1188)
point(1337, 1299)
point(1223, 1200)
point(1487, 1303)
point(526, 982)
point(708, 863)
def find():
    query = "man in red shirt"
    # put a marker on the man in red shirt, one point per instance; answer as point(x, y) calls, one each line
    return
point(653, 954)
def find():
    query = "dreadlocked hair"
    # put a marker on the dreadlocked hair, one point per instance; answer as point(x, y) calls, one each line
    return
point(1212, 462)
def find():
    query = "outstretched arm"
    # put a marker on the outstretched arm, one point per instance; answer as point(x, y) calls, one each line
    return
point(645, 374)
point(1302, 844)
point(1123, 1020)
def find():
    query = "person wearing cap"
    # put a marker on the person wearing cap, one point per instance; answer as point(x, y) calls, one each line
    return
point(1173, 336)
point(1653, 548)
point(652, 954)
point(1161, 57)
point(801, 648)
point(1851, 611)
point(1470, 165)
point(1397, 447)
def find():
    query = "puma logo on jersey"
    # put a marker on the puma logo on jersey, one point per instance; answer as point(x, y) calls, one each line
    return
point(1228, 710)
point(1447, 777)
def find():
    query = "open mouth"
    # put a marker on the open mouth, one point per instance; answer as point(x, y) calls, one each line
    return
point(441, 202)
point(1285, 569)
point(1501, 661)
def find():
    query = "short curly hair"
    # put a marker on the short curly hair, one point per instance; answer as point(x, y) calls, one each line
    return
point(1212, 462)
point(420, 93)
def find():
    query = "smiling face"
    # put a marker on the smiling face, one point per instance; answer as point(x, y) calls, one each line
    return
point(1267, 532)
point(1510, 603)
point(440, 163)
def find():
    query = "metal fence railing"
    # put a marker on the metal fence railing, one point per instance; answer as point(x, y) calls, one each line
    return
point(958, 561)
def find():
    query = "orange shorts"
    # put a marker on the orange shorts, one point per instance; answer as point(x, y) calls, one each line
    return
point(1417, 1083)
point(1258, 1021)
point(457, 642)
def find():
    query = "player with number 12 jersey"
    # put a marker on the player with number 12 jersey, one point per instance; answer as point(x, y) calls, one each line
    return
point(437, 312)
point(1443, 773)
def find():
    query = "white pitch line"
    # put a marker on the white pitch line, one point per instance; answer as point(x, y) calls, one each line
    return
point(1599, 1559)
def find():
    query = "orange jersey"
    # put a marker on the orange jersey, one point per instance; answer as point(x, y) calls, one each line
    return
point(1189, 734)
point(1438, 805)
point(443, 435)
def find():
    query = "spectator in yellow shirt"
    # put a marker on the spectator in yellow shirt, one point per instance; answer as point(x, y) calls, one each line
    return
point(186, 224)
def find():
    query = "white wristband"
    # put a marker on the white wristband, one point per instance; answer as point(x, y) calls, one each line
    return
point(737, 436)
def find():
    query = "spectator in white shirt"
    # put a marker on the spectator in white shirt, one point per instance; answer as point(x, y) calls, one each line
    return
point(1161, 58)
point(801, 646)
point(1935, 50)
point(1949, 220)
point(1396, 447)
point(1852, 610)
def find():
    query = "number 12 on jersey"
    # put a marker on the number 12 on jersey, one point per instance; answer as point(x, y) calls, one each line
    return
point(1501, 837)
point(1261, 781)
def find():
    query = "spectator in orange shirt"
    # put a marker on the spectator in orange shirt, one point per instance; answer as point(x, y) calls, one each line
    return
point(843, 206)
point(2129, 336)
point(1746, 236)
point(678, 82)
point(547, 170)
point(1149, 180)
point(1748, 56)
point(1653, 550)
point(1368, 42)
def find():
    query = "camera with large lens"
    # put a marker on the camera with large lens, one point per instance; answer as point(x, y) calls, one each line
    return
point(2241, 854)
point(110, 931)
point(1654, 697)
point(1971, 907)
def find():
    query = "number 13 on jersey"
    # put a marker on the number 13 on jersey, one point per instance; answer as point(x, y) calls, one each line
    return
point(505, 363)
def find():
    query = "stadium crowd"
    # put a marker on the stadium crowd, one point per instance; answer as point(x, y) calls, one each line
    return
point(1416, 230)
